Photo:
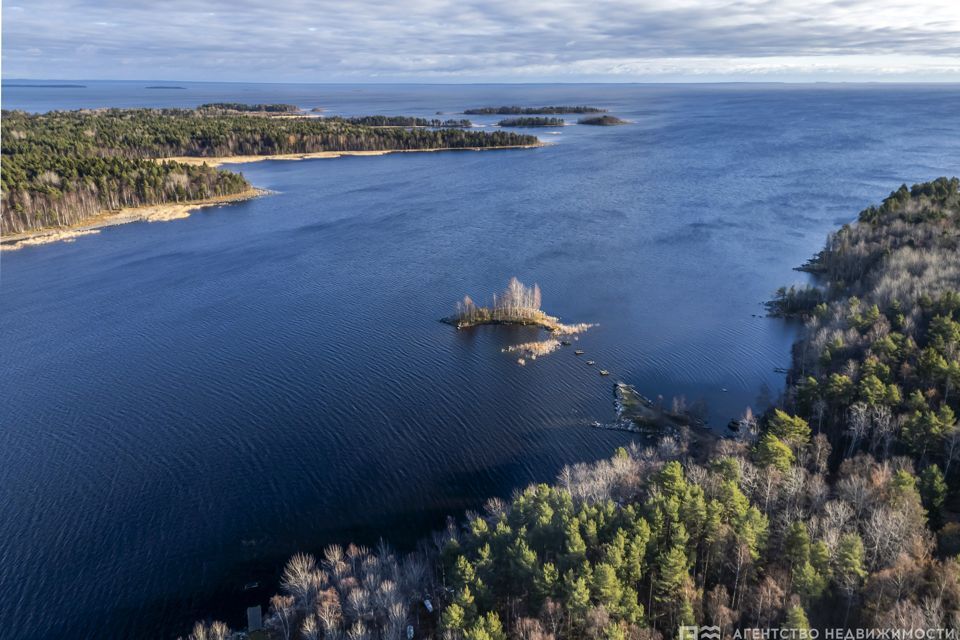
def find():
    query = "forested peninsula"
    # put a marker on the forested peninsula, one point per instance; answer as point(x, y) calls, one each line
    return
point(62, 168)
point(836, 509)
point(240, 107)
point(531, 122)
point(401, 121)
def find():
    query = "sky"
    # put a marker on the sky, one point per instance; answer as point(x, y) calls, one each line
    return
point(483, 40)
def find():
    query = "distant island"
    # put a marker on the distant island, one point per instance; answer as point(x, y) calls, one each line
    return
point(529, 111)
point(160, 86)
point(44, 86)
point(532, 122)
point(67, 169)
point(602, 121)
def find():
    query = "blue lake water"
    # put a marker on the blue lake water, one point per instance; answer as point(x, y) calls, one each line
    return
point(185, 404)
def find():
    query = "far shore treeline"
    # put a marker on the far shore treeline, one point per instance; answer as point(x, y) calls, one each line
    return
point(531, 111)
point(63, 167)
point(400, 121)
point(532, 122)
point(240, 107)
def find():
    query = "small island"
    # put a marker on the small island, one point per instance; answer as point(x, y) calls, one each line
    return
point(532, 122)
point(517, 304)
point(531, 111)
point(602, 121)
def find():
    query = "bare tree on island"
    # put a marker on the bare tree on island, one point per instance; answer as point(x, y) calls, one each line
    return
point(517, 304)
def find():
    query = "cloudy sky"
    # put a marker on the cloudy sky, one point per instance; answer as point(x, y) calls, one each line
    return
point(483, 40)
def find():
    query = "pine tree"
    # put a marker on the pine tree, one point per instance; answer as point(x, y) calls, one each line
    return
point(464, 600)
point(849, 567)
point(575, 546)
point(772, 452)
point(791, 429)
point(606, 586)
point(577, 595)
point(671, 480)
point(796, 619)
point(933, 489)
point(486, 627)
point(797, 545)
point(453, 618)
point(670, 581)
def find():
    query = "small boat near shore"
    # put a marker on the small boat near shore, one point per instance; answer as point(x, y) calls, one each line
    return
point(578, 352)
point(591, 363)
point(604, 372)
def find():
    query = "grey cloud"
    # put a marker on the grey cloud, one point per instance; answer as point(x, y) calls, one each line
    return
point(472, 40)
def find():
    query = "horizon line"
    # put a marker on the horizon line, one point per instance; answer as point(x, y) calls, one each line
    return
point(6, 81)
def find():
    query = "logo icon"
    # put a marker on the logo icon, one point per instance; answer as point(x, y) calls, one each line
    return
point(693, 632)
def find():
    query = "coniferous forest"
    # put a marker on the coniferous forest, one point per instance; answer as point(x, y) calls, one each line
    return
point(836, 508)
point(60, 168)
point(532, 122)
point(401, 121)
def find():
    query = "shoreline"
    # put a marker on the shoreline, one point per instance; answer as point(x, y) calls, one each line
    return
point(147, 213)
point(216, 161)
point(547, 323)
point(176, 210)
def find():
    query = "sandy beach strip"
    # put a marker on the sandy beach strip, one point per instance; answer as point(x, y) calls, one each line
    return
point(221, 160)
point(148, 213)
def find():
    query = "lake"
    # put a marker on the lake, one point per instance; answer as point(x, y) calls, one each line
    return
point(186, 404)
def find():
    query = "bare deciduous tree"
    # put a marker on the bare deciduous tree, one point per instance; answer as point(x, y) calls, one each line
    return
point(298, 578)
point(358, 631)
point(858, 425)
point(310, 629)
point(282, 609)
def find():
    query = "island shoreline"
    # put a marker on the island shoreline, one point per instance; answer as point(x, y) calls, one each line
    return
point(164, 212)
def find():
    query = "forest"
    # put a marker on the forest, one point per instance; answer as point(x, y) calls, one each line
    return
point(247, 108)
point(531, 122)
point(401, 121)
point(62, 167)
point(837, 508)
point(531, 111)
